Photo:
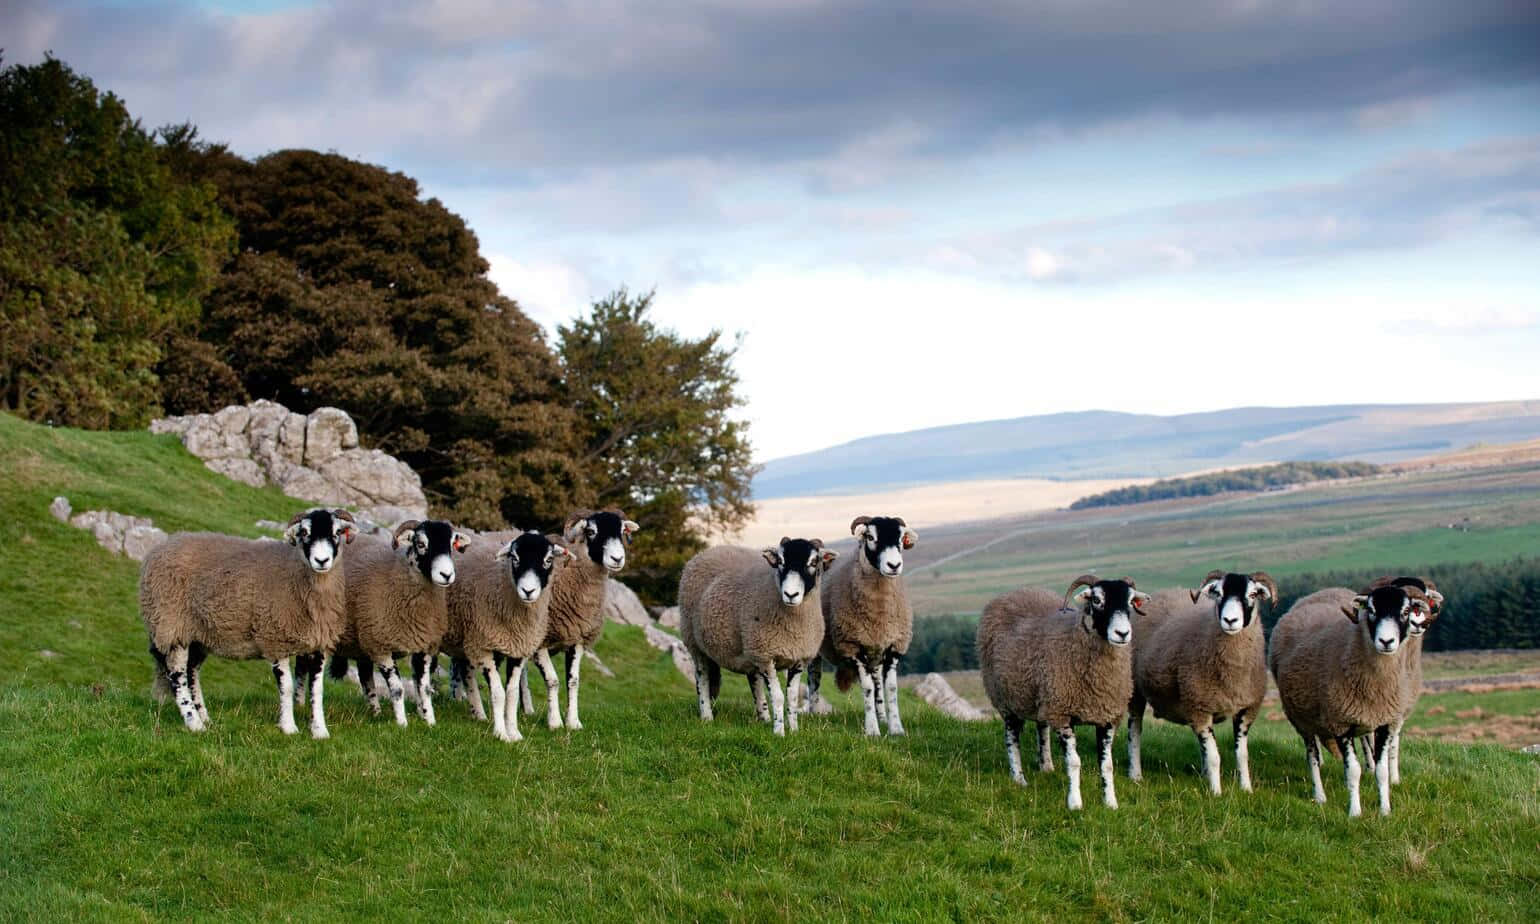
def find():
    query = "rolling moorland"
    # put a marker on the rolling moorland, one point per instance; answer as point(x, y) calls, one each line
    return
point(112, 811)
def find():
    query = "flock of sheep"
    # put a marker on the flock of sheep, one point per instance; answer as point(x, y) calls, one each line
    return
point(1347, 665)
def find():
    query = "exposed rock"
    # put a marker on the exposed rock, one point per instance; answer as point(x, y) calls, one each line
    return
point(291, 438)
point(272, 525)
point(60, 508)
point(139, 540)
point(663, 641)
point(328, 431)
point(118, 533)
point(934, 689)
point(668, 617)
point(622, 605)
point(373, 474)
point(242, 470)
point(1532, 749)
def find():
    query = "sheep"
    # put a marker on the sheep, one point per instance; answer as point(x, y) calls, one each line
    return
point(1340, 679)
point(1201, 663)
point(1061, 666)
point(868, 622)
point(396, 604)
point(735, 614)
point(206, 593)
point(500, 608)
point(1412, 687)
point(577, 601)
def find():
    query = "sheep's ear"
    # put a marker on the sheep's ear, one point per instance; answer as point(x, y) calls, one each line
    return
point(1139, 598)
point(349, 533)
point(1081, 596)
point(576, 531)
point(627, 527)
point(1351, 611)
point(910, 538)
point(460, 542)
point(504, 552)
point(772, 556)
point(828, 557)
point(291, 534)
point(861, 531)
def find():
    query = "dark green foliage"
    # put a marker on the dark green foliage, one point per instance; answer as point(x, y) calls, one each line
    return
point(658, 440)
point(1245, 479)
point(104, 252)
point(943, 643)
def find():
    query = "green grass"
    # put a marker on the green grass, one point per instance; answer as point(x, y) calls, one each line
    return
point(109, 810)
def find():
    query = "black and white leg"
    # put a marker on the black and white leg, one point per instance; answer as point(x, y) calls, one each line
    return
point(526, 697)
point(1208, 748)
point(511, 699)
point(470, 688)
point(181, 687)
point(574, 666)
point(793, 695)
point(890, 684)
point(1393, 749)
point(814, 680)
point(422, 681)
point(1013, 726)
point(195, 656)
point(1313, 756)
point(878, 700)
point(1135, 737)
point(1351, 772)
point(284, 677)
point(1104, 734)
point(1366, 749)
point(1044, 749)
point(1242, 725)
point(309, 667)
point(777, 701)
point(1383, 765)
point(1071, 764)
point(702, 688)
point(757, 686)
point(392, 675)
point(458, 669)
point(868, 697)
point(552, 698)
point(487, 671)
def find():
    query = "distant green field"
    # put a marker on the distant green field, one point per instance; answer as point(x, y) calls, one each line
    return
point(109, 810)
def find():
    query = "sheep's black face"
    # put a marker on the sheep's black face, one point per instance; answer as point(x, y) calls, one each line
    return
point(1107, 608)
point(797, 564)
point(605, 535)
point(429, 549)
point(1419, 621)
point(319, 535)
point(883, 541)
point(1389, 611)
point(1235, 599)
point(531, 559)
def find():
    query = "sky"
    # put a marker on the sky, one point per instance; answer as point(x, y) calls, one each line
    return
point(931, 212)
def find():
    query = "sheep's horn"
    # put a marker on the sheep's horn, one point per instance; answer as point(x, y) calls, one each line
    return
point(1207, 578)
point(901, 523)
point(341, 514)
point(858, 521)
point(1085, 580)
point(574, 517)
point(815, 543)
point(406, 526)
point(1129, 581)
point(298, 516)
point(1266, 580)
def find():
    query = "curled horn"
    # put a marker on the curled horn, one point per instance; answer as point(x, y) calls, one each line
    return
point(341, 514)
point(901, 523)
point(1085, 580)
point(1129, 581)
point(1266, 580)
point(574, 517)
point(1417, 595)
point(815, 543)
point(1207, 578)
point(294, 520)
point(858, 521)
point(406, 526)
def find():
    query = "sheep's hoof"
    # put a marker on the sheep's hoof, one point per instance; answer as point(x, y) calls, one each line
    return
point(320, 733)
point(1111, 802)
point(1319, 798)
point(1136, 776)
point(574, 725)
point(290, 729)
point(401, 721)
point(553, 722)
point(1074, 805)
point(1019, 780)
point(897, 732)
point(502, 736)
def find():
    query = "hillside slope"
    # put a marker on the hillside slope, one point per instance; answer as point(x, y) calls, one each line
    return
point(111, 811)
point(1106, 444)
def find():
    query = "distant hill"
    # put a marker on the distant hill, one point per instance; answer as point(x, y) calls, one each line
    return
point(1108, 444)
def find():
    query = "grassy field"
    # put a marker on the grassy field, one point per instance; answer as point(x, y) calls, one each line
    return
point(1386, 521)
point(110, 811)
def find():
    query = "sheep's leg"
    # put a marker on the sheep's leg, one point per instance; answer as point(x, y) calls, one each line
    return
point(470, 690)
point(422, 679)
point(526, 697)
point(367, 685)
point(310, 668)
point(761, 700)
point(195, 655)
point(814, 680)
point(1208, 746)
point(392, 675)
point(574, 664)
point(1393, 749)
point(1351, 772)
point(285, 680)
point(702, 689)
point(890, 670)
point(1135, 737)
point(1071, 764)
point(488, 672)
point(1104, 735)
point(1013, 726)
point(511, 699)
point(1313, 755)
point(552, 700)
point(1242, 725)
point(181, 688)
point(868, 696)
point(879, 681)
point(1382, 766)
point(458, 668)
point(1366, 745)
point(793, 694)
point(1044, 750)
point(777, 702)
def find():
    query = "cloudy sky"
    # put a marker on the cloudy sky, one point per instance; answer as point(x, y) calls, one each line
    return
point(934, 212)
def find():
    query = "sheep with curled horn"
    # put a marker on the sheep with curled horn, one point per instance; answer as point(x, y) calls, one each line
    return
point(1061, 662)
point(1339, 660)
point(1199, 658)
point(868, 621)
point(1412, 680)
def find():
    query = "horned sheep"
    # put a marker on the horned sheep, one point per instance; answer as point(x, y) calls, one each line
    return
point(1341, 678)
point(1411, 691)
point(1061, 666)
point(207, 593)
point(1199, 658)
point(734, 613)
point(868, 622)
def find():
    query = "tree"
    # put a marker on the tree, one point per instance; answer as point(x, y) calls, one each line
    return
point(657, 436)
point(104, 253)
point(352, 291)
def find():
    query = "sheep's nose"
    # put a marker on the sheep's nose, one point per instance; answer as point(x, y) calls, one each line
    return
point(616, 559)
point(894, 569)
point(1120, 633)
point(1230, 623)
point(322, 560)
point(792, 597)
point(446, 575)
